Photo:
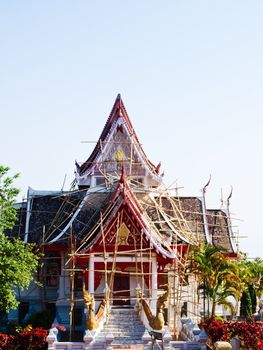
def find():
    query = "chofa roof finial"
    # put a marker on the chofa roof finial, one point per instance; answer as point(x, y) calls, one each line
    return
point(207, 184)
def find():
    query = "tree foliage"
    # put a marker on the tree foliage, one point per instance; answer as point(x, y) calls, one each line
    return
point(8, 195)
point(251, 274)
point(18, 261)
point(221, 277)
point(218, 276)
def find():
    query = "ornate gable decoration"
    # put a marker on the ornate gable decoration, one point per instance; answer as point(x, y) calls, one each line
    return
point(123, 234)
point(118, 143)
point(125, 229)
point(123, 223)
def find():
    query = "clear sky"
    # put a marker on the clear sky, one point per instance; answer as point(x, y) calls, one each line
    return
point(190, 74)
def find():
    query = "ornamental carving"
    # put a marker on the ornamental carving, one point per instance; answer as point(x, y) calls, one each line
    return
point(123, 234)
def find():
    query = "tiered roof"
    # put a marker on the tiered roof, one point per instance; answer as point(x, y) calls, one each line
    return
point(164, 220)
point(173, 220)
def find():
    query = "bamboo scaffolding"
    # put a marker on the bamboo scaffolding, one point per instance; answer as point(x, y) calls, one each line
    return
point(173, 219)
point(72, 285)
point(105, 261)
point(136, 263)
point(142, 279)
point(42, 273)
point(114, 259)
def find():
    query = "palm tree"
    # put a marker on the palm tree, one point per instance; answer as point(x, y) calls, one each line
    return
point(200, 264)
point(224, 283)
point(217, 275)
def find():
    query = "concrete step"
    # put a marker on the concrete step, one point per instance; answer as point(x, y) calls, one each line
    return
point(116, 327)
point(135, 337)
point(125, 326)
point(124, 331)
point(124, 319)
point(120, 332)
point(124, 323)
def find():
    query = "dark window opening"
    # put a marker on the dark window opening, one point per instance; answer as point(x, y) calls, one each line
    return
point(52, 269)
point(163, 279)
point(78, 281)
point(77, 316)
point(51, 307)
point(184, 309)
point(23, 310)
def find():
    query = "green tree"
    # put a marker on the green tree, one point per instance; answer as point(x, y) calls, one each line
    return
point(18, 261)
point(256, 269)
point(217, 274)
point(251, 274)
point(225, 283)
point(8, 194)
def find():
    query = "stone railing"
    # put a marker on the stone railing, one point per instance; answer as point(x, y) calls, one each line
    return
point(88, 340)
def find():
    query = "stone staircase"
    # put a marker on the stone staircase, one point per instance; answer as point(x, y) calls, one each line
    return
point(125, 326)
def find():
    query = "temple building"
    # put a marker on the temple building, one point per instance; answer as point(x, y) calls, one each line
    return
point(118, 233)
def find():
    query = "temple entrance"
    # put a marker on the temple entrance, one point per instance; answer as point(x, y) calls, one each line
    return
point(121, 289)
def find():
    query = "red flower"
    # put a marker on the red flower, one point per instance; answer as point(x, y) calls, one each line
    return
point(61, 328)
point(249, 333)
point(3, 340)
point(216, 330)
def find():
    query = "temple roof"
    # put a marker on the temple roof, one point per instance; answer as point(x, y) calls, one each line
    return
point(172, 220)
point(105, 190)
point(220, 230)
point(117, 121)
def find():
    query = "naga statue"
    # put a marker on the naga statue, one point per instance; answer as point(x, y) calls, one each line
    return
point(93, 320)
point(156, 322)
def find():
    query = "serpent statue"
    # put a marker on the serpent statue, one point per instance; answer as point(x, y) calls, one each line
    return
point(156, 322)
point(93, 320)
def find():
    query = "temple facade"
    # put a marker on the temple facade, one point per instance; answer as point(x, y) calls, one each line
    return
point(118, 234)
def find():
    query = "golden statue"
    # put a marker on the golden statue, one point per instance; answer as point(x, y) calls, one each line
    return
point(119, 155)
point(156, 322)
point(93, 320)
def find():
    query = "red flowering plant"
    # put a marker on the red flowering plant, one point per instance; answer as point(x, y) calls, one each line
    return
point(250, 334)
point(26, 338)
point(31, 339)
point(216, 329)
point(3, 341)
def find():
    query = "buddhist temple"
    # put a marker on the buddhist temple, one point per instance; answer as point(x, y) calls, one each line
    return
point(118, 234)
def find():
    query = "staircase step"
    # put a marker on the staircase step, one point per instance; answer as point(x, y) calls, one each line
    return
point(125, 326)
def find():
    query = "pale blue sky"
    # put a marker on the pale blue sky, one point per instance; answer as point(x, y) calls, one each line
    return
point(190, 74)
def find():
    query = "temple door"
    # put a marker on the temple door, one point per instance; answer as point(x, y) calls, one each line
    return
point(121, 288)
